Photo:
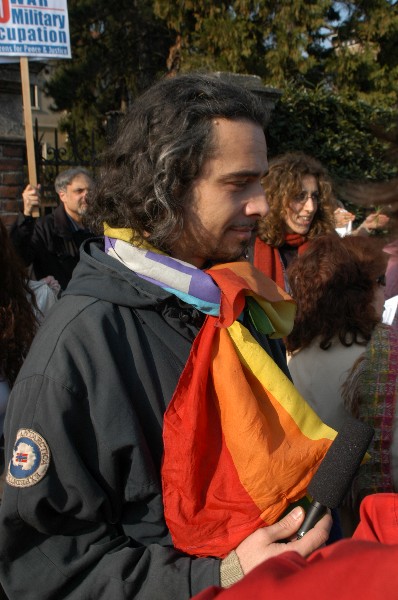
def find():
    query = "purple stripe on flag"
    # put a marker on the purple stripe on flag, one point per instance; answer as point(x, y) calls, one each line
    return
point(201, 285)
point(108, 244)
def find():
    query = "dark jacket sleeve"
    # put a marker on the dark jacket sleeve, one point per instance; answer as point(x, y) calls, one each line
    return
point(21, 235)
point(92, 527)
point(33, 240)
point(50, 249)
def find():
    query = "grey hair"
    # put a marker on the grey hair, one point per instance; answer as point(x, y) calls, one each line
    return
point(66, 177)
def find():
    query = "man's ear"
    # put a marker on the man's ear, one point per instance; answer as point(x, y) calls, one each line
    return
point(61, 195)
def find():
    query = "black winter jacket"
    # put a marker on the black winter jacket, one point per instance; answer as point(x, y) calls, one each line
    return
point(95, 386)
point(50, 244)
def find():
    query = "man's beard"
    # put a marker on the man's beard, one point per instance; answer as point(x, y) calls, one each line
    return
point(81, 210)
point(240, 253)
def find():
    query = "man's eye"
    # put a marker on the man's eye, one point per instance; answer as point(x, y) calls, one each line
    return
point(241, 183)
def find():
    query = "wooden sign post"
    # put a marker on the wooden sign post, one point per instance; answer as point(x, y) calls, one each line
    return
point(27, 111)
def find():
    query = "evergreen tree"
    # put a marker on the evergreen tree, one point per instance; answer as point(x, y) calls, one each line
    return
point(364, 60)
point(339, 131)
point(348, 45)
point(275, 39)
point(118, 49)
point(311, 50)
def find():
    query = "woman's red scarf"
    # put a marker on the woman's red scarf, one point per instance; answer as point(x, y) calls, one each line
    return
point(268, 260)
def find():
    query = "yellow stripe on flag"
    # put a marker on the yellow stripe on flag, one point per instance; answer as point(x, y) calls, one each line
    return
point(275, 381)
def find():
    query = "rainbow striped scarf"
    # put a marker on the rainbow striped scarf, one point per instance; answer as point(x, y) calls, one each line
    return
point(240, 443)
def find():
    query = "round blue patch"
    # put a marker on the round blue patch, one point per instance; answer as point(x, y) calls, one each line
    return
point(30, 459)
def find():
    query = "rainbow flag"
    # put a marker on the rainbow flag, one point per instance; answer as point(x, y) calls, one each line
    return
point(240, 443)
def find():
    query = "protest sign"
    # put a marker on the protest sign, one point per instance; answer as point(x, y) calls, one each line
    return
point(34, 28)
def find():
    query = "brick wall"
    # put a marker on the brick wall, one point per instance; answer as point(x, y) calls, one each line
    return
point(11, 178)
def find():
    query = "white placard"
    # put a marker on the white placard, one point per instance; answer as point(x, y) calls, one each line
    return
point(390, 308)
point(34, 28)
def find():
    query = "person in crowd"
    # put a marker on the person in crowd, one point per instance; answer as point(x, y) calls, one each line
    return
point(18, 322)
point(343, 219)
point(391, 249)
point(338, 285)
point(134, 470)
point(370, 393)
point(364, 566)
point(384, 194)
point(51, 243)
point(302, 205)
point(46, 293)
point(375, 221)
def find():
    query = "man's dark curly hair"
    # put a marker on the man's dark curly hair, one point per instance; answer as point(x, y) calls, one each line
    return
point(18, 322)
point(334, 283)
point(160, 149)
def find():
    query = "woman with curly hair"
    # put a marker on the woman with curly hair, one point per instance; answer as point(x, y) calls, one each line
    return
point(18, 322)
point(301, 207)
point(338, 284)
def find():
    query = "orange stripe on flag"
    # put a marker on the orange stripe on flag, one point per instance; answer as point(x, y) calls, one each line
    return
point(274, 459)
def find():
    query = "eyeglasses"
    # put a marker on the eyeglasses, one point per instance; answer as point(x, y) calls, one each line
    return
point(302, 197)
point(381, 280)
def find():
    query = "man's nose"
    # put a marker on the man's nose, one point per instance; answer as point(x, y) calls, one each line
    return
point(258, 205)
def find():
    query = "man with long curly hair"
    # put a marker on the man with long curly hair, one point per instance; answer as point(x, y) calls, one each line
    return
point(135, 400)
point(154, 438)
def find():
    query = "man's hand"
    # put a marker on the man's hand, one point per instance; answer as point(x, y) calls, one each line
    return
point(263, 543)
point(31, 200)
point(375, 221)
point(342, 217)
point(52, 284)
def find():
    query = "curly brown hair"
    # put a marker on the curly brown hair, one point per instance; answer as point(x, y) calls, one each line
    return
point(18, 323)
point(282, 184)
point(334, 283)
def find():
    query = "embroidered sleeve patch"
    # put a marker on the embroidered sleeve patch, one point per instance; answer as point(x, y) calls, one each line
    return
point(30, 459)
